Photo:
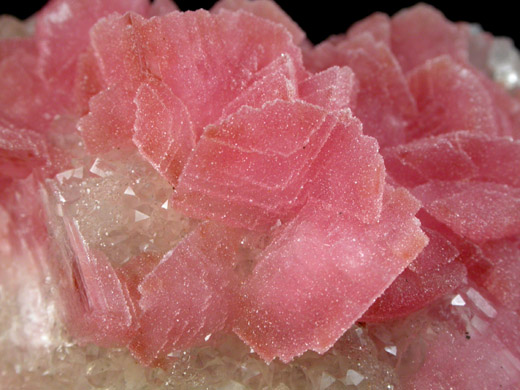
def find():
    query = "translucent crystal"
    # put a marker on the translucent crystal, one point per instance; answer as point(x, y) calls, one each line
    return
point(111, 196)
point(504, 62)
point(353, 378)
point(391, 349)
point(481, 303)
point(458, 301)
point(120, 207)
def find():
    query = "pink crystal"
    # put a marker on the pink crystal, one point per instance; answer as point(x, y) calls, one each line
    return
point(430, 276)
point(163, 130)
point(315, 279)
point(175, 183)
point(449, 97)
point(188, 295)
point(422, 33)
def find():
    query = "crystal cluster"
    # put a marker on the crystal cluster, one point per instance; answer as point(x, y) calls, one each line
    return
point(206, 200)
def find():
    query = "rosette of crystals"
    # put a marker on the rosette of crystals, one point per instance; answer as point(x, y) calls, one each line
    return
point(206, 200)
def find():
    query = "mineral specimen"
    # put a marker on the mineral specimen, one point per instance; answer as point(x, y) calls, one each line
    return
point(206, 200)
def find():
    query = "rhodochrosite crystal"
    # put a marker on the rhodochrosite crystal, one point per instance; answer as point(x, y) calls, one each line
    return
point(206, 200)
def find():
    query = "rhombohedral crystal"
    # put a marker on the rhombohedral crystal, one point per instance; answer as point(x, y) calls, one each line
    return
point(206, 200)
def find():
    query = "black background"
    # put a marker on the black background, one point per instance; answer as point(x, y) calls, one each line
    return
point(321, 18)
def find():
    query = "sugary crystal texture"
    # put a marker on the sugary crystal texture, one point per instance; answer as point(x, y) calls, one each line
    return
point(208, 200)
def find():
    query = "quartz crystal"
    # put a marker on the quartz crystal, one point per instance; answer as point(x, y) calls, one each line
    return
point(207, 200)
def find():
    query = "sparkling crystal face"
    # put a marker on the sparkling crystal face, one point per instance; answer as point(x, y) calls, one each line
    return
point(206, 200)
point(121, 207)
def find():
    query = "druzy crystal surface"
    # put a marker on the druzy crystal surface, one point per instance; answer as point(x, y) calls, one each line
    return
point(206, 200)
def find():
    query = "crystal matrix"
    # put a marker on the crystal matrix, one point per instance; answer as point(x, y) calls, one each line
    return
point(207, 200)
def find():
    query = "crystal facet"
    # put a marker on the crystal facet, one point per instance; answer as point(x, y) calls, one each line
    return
point(207, 200)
